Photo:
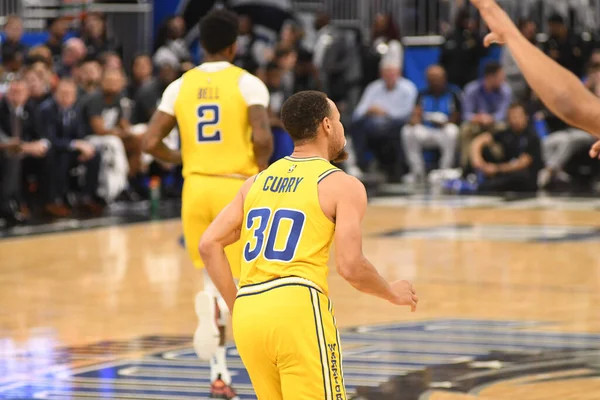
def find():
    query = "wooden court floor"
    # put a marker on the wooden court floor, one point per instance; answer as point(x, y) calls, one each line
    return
point(529, 279)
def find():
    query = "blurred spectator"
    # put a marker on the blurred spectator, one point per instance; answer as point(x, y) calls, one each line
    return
point(39, 88)
point(283, 145)
point(485, 105)
point(514, 77)
point(110, 60)
point(384, 108)
point(26, 155)
point(12, 62)
point(565, 142)
point(13, 33)
point(141, 73)
point(60, 120)
point(57, 28)
point(331, 57)
point(251, 49)
point(73, 52)
point(508, 160)
point(94, 35)
point(383, 31)
point(170, 44)
point(462, 51)
point(108, 130)
point(286, 60)
point(434, 124)
point(306, 76)
point(40, 53)
point(564, 46)
point(88, 77)
point(290, 37)
point(149, 94)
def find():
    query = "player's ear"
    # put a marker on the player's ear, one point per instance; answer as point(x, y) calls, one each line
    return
point(327, 126)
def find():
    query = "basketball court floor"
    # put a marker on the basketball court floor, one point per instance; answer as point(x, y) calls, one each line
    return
point(509, 306)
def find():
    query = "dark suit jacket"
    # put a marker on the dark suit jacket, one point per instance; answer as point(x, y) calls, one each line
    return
point(28, 132)
point(58, 126)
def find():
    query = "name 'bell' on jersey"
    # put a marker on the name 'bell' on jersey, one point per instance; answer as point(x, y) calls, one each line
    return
point(216, 138)
point(285, 232)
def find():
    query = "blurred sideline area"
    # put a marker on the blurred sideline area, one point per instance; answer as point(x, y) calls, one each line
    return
point(425, 106)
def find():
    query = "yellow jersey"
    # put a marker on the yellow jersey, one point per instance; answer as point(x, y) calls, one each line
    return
point(285, 232)
point(212, 114)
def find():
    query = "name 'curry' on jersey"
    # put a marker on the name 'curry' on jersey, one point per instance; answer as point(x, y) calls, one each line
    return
point(216, 137)
point(285, 232)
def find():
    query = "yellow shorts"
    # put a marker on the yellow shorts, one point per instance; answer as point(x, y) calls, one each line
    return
point(285, 334)
point(203, 198)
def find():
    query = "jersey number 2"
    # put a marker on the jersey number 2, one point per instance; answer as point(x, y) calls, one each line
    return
point(208, 116)
point(269, 227)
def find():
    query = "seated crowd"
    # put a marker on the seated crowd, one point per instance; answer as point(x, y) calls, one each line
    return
point(72, 119)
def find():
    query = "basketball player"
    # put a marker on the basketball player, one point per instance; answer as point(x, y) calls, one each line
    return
point(287, 217)
point(225, 138)
point(561, 91)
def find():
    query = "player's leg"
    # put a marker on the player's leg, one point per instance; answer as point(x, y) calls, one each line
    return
point(196, 217)
point(310, 365)
point(253, 327)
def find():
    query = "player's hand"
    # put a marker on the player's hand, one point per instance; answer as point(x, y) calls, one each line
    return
point(595, 150)
point(497, 20)
point(404, 294)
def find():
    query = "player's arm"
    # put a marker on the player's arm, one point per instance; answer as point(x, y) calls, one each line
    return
point(223, 231)
point(352, 265)
point(561, 91)
point(161, 124)
point(256, 95)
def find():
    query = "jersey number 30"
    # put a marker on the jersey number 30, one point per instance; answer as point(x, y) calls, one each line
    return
point(269, 227)
point(208, 117)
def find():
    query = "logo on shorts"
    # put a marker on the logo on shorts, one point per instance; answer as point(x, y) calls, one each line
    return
point(335, 372)
point(292, 168)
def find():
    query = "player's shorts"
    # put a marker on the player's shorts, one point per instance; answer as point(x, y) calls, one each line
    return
point(286, 335)
point(203, 198)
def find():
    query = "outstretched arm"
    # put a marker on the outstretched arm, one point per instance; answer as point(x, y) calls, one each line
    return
point(223, 231)
point(561, 91)
point(350, 261)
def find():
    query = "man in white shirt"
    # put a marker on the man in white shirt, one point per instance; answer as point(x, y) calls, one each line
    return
point(386, 105)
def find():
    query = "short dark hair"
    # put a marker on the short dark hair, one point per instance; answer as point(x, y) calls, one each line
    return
point(556, 18)
point(218, 30)
point(272, 66)
point(517, 104)
point(302, 113)
point(491, 68)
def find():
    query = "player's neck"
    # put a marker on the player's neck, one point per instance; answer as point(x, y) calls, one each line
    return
point(310, 150)
point(215, 58)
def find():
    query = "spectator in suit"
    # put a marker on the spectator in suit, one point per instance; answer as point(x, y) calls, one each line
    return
point(24, 153)
point(57, 28)
point(385, 106)
point(39, 88)
point(60, 120)
point(12, 63)
point(462, 50)
point(252, 50)
point(286, 61)
point(13, 33)
point(508, 160)
point(485, 104)
point(434, 124)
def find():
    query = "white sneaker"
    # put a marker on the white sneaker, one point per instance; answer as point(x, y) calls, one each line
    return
point(206, 337)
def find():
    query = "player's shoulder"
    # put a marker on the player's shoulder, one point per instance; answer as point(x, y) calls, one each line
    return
point(339, 182)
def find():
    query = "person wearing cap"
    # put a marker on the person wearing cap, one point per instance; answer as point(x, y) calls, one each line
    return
point(386, 105)
point(564, 47)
